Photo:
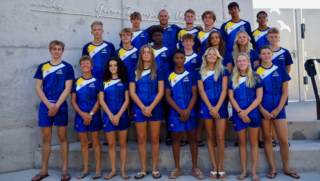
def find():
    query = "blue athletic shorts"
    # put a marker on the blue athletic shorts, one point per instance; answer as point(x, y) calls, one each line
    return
point(205, 113)
point(95, 124)
point(124, 124)
point(239, 125)
point(176, 125)
point(157, 114)
point(60, 119)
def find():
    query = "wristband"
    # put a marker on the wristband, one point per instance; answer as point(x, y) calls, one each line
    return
point(91, 113)
point(277, 109)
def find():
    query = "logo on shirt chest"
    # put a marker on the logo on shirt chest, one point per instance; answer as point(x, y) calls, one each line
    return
point(142, 36)
point(92, 85)
point(103, 51)
point(134, 56)
point(242, 28)
point(163, 54)
point(169, 29)
point(194, 60)
point(120, 84)
point(186, 79)
point(275, 74)
point(58, 72)
point(281, 57)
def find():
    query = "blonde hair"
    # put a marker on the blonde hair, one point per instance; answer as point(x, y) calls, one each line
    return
point(189, 11)
point(86, 58)
point(236, 47)
point(251, 77)
point(97, 23)
point(140, 67)
point(273, 30)
point(218, 67)
point(209, 12)
point(125, 30)
point(56, 42)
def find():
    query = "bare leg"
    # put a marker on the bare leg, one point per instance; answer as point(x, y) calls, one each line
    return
point(123, 151)
point(84, 152)
point(266, 126)
point(141, 128)
point(220, 130)
point(209, 126)
point(97, 149)
point(64, 148)
point(254, 149)
point(192, 135)
point(112, 152)
point(176, 148)
point(242, 137)
point(154, 128)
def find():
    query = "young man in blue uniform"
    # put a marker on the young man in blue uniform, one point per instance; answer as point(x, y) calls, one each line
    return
point(128, 53)
point(208, 18)
point(139, 37)
point(181, 94)
point(260, 34)
point(232, 27)
point(99, 50)
point(189, 17)
point(53, 85)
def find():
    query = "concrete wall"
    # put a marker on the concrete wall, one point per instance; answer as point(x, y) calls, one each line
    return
point(27, 27)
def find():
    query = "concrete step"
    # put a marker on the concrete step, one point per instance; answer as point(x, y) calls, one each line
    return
point(55, 175)
point(304, 157)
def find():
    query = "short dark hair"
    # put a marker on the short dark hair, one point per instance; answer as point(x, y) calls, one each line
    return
point(233, 4)
point(262, 12)
point(264, 47)
point(157, 28)
point(179, 50)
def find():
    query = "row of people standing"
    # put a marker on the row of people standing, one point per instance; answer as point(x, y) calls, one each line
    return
point(100, 52)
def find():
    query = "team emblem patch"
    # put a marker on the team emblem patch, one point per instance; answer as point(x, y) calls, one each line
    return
point(201, 111)
point(234, 125)
point(172, 125)
point(104, 125)
point(135, 115)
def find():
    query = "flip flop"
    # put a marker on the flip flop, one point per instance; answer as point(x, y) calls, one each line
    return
point(141, 173)
point(260, 144)
point(105, 144)
point(244, 177)
point(271, 175)
point(65, 175)
point(198, 174)
point(125, 177)
point(155, 173)
point(255, 178)
point(169, 142)
point(90, 145)
point(236, 143)
point(105, 177)
point(175, 174)
point(291, 175)
point(274, 143)
point(40, 177)
point(83, 174)
point(97, 176)
point(199, 143)
point(184, 143)
point(214, 175)
point(220, 175)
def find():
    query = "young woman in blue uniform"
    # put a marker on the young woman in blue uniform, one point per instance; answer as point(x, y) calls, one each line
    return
point(114, 99)
point(275, 93)
point(84, 100)
point(213, 85)
point(245, 95)
point(146, 91)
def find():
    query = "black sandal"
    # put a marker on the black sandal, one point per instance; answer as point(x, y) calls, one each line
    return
point(199, 143)
point(236, 143)
point(184, 143)
point(292, 175)
point(105, 144)
point(65, 175)
point(274, 175)
point(40, 177)
point(169, 142)
point(274, 143)
point(260, 144)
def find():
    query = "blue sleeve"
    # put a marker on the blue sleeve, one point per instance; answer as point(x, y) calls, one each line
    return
point(249, 31)
point(199, 76)
point(160, 75)
point(70, 73)
point(228, 58)
point(100, 86)
point(193, 79)
point(197, 43)
point(289, 60)
point(132, 77)
point(38, 74)
point(116, 53)
point(112, 48)
point(120, 45)
point(260, 83)
point(222, 29)
point(73, 90)
point(226, 72)
point(255, 55)
point(285, 75)
point(167, 83)
point(126, 86)
point(230, 82)
point(85, 50)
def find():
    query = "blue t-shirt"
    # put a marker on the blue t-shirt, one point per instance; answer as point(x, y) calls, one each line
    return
point(87, 92)
point(100, 55)
point(170, 36)
point(227, 59)
point(163, 59)
point(203, 38)
point(114, 95)
point(181, 90)
point(245, 96)
point(54, 78)
point(260, 38)
point(139, 38)
point(195, 32)
point(272, 78)
point(193, 62)
point(282, 58)
point(129, 58)
point(146, 88)
point(231, 29)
